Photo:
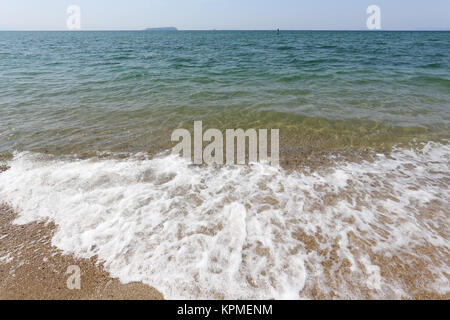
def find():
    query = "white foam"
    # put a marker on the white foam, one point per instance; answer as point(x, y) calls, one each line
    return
point(7, 258)
point(233, 232)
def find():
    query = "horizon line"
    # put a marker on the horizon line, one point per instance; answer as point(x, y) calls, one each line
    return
point(275, 29)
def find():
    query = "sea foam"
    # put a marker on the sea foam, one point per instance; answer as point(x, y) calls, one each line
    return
point(252, 231)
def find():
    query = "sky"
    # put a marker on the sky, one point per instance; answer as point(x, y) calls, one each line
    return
point(225, 14)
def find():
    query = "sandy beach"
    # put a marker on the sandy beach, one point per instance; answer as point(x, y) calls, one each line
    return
point(352, 203)
point(35, 269)
point(31, 268)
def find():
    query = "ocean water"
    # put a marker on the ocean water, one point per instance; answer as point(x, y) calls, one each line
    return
point(65, 92)
point(85, 126)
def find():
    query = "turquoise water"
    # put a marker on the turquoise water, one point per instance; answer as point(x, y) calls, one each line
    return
point(125, 91)
point(353, 225)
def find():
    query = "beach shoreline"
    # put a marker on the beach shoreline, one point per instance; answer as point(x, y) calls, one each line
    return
point(32, 269)
point(36, 270)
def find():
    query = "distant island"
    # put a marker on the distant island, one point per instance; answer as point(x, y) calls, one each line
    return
point(162, 29)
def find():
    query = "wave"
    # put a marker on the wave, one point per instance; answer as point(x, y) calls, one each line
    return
point(252, 231)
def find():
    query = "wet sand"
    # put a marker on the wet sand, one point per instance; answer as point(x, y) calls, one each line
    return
point(31, 268)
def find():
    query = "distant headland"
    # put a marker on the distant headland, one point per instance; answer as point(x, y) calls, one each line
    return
point(162, 29)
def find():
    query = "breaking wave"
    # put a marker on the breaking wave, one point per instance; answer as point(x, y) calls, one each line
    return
point(252, 231)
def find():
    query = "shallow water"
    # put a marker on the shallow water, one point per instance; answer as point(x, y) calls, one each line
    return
point(86, 120)
point(375, 229)
point(65, 92)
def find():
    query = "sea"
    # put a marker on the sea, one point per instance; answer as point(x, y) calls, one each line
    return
point(359, 206)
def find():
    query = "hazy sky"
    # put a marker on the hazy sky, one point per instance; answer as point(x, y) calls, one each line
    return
point(224, 14)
